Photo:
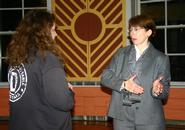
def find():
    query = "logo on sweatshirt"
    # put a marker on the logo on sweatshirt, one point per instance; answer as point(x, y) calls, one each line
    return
point(17, 78)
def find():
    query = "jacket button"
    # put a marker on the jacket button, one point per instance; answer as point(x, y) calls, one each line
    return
point(137, 108)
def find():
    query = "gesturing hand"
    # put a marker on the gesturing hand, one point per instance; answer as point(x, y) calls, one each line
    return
point(157, 86)
point(131, 86)
point(70, 86)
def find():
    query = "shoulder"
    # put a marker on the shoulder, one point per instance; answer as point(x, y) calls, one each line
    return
point(50, 57)
point(158, 54)
point(49, 61)
point(47, 58)
point(123, 50)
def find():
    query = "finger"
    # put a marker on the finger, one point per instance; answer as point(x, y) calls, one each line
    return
point(139, 89)
point(161, 88)
point(155, 88)
point(133, 77)
point(160, 78)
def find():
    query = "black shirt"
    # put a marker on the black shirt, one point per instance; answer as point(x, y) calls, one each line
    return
point(39, 96)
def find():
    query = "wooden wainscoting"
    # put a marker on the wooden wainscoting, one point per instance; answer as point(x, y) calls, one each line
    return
point(175, 107)
point(4, 106)
point(94, 101)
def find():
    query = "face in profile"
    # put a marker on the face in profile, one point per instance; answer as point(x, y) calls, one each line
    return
point(139, 35)
point(53, 31)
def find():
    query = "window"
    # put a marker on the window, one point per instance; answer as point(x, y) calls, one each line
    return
point(169, 16)
point(11, 12)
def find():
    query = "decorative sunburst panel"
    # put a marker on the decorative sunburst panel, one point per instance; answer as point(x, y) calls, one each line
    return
point(89, 32)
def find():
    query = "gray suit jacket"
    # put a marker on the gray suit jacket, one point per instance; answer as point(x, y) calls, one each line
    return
point(148, 68)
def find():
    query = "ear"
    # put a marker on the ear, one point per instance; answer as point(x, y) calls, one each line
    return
point(149, 32)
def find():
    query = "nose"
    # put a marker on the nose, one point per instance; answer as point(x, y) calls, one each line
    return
point(55, 34)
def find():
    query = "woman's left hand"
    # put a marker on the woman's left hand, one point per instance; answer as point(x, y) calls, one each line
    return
point(157, 86)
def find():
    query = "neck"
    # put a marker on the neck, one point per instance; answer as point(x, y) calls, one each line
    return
point(143, 46)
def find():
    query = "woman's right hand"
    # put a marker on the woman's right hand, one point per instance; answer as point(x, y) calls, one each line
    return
point(70, 86)
point(132, 87)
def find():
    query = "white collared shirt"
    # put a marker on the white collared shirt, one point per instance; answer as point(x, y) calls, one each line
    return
point(138, 52)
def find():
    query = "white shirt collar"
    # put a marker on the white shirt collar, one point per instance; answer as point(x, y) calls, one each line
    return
point(138, 52)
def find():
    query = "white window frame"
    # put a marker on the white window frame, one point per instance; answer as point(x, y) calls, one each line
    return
point(165, 27)
point(10, 32)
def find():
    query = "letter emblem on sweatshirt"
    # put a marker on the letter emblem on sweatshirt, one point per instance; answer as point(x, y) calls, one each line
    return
point(17, 78)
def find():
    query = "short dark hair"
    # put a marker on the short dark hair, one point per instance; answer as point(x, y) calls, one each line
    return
point(144, 21)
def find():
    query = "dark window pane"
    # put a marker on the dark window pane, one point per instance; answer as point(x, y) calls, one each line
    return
point(177, 68)
point(10, 3)
point(176, 40)
point(4, 41)
point(176, 13)
point(35, 3)
point(156, 10)
point(158, 40)
point(27, 10)
point(3, 71)
point(9, 19)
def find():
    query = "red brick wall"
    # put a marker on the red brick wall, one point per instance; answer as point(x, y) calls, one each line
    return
point(94, 101)
point(4, 107)
point(91, 101)
point(175, 107)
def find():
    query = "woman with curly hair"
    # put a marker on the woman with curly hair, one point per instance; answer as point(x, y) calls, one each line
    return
point(40, 96)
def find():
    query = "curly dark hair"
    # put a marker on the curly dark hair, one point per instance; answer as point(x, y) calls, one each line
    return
point(33, 35)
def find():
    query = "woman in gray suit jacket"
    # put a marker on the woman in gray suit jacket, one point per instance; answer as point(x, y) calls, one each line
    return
point(139, 77)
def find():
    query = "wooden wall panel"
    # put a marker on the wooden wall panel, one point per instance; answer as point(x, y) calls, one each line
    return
point(175, 107)
point(89, 33)
point(4, 102)
point(91, 101)
point(94, 101)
